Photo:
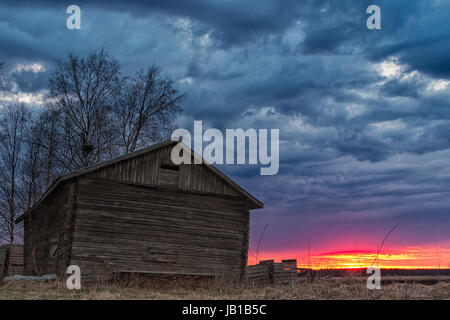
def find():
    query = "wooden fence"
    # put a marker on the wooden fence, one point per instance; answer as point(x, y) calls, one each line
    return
point(258, 273)
point(11, 260)
point(269, 271)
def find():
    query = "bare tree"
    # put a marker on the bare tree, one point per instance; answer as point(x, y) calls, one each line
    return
point(32, 164)
point(34, 169)
point(146, 108)
point(49, 130)
point(102, 116)
point(13, 119)
point(92, 115)
point(84, 89)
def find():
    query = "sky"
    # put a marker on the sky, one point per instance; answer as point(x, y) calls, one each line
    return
point(364, 115)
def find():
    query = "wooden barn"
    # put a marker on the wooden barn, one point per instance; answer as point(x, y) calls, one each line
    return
point(140, 213)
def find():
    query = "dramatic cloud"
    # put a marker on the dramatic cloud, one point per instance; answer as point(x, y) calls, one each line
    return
point(364, 116)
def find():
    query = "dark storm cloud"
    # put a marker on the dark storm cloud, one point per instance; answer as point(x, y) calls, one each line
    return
point(195, 70)
point(232, 22)
point(359, 142)
point(395, 88)
point(324, 40)
point(417, 32)
point(429, 55)
point(29, 81)
point(421, 38)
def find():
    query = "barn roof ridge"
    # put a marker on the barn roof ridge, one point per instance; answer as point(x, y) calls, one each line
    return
point(106, 163)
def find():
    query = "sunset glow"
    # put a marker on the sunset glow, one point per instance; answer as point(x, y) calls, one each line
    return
point(402, 258)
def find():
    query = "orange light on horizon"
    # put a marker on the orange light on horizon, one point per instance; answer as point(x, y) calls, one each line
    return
point(399, 258)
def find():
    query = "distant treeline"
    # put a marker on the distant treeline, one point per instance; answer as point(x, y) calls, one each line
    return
point(92, 114)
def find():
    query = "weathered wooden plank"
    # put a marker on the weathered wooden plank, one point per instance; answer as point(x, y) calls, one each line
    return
point(2, 261)
point(146, 169)
point(267, 270)
point(285, 271)
point(257, 273)
point(46, 245)
point(126, 227)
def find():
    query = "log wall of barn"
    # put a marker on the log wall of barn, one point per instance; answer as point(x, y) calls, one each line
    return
point(128, 227)
point(47, 233)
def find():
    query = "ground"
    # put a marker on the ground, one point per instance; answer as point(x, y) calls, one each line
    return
point(323, 288)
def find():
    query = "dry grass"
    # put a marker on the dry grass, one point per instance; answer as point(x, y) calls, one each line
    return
point(334, 288)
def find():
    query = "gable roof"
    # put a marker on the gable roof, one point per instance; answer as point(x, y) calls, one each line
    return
point(83, 171)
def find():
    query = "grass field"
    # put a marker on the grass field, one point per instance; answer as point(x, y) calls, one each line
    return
point(323, 288)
